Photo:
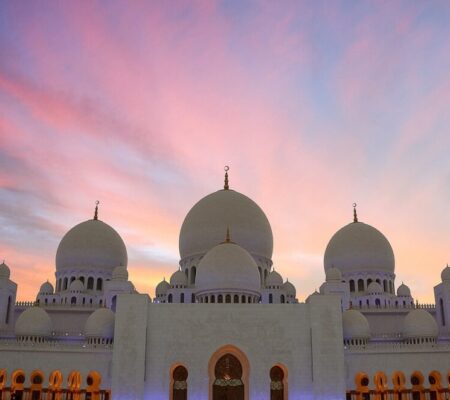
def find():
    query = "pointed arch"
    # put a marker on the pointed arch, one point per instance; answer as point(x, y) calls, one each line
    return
point(3, 378)
point(74, 384)
point(242, 358)
point(278, 382)
point(178, 382)
point(36, 381)
point(17, 381)
point(93, 381)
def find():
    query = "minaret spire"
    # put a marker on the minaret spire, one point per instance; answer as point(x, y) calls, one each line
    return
point(226, 186)
point(355, 216)
point(96, 210)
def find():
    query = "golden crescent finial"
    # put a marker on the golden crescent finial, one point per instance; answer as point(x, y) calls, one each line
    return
point(355, 215)
point(96, 210)
point(226, 185)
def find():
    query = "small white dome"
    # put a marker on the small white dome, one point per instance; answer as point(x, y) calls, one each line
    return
point(419, 324)
point(289, 288)
point(100, 324)
point(34, 321)
point(274, 279)
point(403, 291)
point(207, 221)
point(178, 278)
point(4, 271)
point(374, 288)
point(76, 286)
point(162, 288)
point(120, 274)
point(313, 294)
point(91, 244)
point(355, 325)
point(445, 274)
point(46, 288)
point(228, 267)
point(333, 275)
point(359, 247)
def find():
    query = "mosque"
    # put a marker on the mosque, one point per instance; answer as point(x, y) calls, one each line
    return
point(227, 325)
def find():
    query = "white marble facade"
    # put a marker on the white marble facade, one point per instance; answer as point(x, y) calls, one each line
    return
point(226, 305)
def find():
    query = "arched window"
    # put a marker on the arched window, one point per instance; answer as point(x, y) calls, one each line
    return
point(242, 299)
point(282, 299)
point(385, 285)
point(114, 303)
point(276, 383)
point(270, 298)
point(227, 298)
point(99, 284)
point(265, 275)
point(192, 298)
point(369, 281)
point(8, 307)
point(213, 298)
point(206, 299)
point(352, 285)
point(65, 284)
point(193, 274)
point(360, 285)
point(249, 299)
point(72, 278)
point(236, 299)
point(179, 385)
point(377, 302)
point(81, 278)
point(260, 275)
point(73, 300)
point(220, 298)
point(182, 298)
point(90, 283)
point(441, 306)
point(228, 384)
point(170, 298)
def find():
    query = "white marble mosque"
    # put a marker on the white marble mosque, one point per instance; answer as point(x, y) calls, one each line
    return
point(227, 325)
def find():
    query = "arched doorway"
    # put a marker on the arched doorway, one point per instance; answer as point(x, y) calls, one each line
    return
point(228, 384)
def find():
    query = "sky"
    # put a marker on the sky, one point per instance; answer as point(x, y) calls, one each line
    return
point(313, 105)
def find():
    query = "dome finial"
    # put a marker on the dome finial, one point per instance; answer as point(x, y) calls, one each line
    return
point(355, 216)
point(96, 210)
point(227, 237)
point(225, 186)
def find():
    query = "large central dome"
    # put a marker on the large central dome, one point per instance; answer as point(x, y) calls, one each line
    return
point(206, 222)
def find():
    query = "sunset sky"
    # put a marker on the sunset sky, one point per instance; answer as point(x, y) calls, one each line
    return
point(314, 105)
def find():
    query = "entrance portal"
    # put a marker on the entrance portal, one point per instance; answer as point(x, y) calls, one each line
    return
point(228, 384)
